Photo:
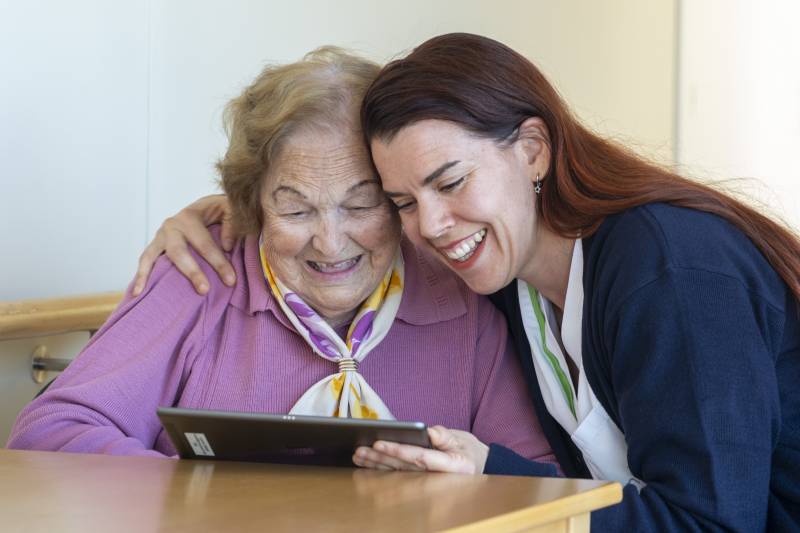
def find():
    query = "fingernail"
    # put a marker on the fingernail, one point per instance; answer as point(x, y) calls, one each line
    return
point(227, 244)
point(136, 290)
point(381, 447)
point(229, 279)
point(203, 288)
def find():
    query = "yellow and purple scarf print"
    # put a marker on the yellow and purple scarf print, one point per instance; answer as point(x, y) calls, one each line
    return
point(346, 393)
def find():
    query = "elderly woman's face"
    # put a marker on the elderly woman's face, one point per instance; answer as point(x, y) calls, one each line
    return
point(330, 232)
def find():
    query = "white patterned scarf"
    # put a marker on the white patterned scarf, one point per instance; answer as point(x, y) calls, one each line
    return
point(345, 393)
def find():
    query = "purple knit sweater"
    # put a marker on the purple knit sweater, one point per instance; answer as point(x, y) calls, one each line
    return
point(444, 361)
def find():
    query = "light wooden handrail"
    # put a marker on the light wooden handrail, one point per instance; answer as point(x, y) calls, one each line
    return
point(34, 318)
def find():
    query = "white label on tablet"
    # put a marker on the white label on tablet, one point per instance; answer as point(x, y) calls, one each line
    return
point(199, 444)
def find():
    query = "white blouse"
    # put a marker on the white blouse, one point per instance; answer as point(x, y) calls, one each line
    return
point(574, 407)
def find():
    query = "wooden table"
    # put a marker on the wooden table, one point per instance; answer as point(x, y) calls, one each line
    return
point(46, 491)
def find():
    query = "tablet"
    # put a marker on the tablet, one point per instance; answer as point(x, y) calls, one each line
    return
point(274, 438)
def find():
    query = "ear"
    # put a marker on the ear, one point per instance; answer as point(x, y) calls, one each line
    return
point(534, 142)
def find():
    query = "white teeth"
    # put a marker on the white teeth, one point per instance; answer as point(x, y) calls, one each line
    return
point(329, 268)
point(465, 250)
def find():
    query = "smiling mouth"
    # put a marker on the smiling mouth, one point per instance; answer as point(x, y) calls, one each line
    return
point(334, 268)
point(466, 248)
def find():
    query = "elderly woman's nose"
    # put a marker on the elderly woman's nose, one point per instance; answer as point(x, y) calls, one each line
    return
point(330, 237)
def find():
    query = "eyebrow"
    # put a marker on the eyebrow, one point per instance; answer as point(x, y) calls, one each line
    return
point(295, 192)
point(362, 184)
point(429, 178)
point(290, 190)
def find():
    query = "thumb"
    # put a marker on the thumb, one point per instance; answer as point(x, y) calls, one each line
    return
point(442, 438)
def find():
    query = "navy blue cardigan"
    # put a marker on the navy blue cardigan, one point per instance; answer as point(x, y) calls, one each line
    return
point(691, 342)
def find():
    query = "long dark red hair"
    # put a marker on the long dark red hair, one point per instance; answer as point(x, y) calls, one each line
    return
point(489, 89)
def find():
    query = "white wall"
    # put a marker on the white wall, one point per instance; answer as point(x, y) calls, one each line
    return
point(110, 111)
point(73, 150)
point(739, 97)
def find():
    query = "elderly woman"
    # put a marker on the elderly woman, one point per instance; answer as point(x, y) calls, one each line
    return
point(657, 318)
point(332, 315)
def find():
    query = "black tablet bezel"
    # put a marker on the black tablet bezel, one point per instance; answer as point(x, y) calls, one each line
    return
point(280, 438)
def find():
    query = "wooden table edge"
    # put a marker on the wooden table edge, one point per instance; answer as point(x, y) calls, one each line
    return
point(540, 515)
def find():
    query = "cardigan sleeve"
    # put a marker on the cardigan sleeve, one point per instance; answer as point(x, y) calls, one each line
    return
point(504, 462)
point(106, 400)
point(690, 368)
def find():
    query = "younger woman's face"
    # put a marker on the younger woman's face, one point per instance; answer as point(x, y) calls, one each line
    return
point(467, 199)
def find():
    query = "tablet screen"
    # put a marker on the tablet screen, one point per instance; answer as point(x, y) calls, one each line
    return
point(278, 438)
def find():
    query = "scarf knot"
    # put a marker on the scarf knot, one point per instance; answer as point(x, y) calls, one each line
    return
point(348, 364)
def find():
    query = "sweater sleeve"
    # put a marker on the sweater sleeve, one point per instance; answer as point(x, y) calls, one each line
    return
point(693, 381)
point(106, 400)
point(504, 462)
point(504, 413)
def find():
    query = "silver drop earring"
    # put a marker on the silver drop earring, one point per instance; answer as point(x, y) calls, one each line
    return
point(537, 187)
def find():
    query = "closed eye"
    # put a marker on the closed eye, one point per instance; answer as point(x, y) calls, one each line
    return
point(452, 185)
point(360, 207)
point(404, 206)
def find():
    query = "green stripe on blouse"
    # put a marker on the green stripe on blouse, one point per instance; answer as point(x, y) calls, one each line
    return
point(566, 385)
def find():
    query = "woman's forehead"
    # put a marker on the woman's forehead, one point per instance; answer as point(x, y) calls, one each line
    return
point(322, 162)
point(345, 174)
